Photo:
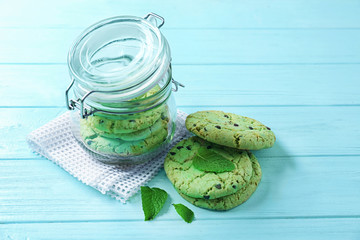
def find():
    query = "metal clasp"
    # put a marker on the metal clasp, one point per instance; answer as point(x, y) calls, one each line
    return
point(156, 16)
point(177, 84)
point(85, 110)
point(79, 103)
point(69, 105)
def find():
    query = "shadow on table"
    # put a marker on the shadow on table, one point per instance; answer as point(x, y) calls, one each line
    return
point(275, 163)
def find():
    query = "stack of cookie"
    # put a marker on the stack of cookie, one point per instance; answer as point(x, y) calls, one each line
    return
point(127, 134)
point(215, 169)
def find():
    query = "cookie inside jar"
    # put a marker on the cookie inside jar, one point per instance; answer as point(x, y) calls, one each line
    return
point(130, 134)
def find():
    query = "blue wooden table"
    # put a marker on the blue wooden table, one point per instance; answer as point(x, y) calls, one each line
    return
point(294, 65)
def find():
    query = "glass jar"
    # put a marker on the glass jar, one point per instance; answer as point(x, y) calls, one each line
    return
point(122, 89)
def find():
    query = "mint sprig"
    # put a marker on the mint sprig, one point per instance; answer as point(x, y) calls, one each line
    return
point(184, 212)
point(153, 200)
point(209, 161)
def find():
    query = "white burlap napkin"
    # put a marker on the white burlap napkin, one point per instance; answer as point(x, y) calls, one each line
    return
point(56, 142)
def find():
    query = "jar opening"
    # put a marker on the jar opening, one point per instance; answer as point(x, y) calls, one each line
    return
point(115, 56)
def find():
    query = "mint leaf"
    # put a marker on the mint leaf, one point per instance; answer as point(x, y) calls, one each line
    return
point(184, 212)
point(153, 200)
point(209, 161)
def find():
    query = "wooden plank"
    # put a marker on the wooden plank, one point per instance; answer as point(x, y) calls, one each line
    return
point(291, 187)
point(278, 229)
point(17, 124)
point(243, 85)
point(209, 14)
point(199, 46)
point(300, 131)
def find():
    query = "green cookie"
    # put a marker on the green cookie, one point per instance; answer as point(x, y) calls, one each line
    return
point(230, 130)
point(137, 135)
point(143, 146)
point(197, 183)
point(118, 147)
point(112, 124)
point(232, 200)
point(127, 123)
point(135, 101)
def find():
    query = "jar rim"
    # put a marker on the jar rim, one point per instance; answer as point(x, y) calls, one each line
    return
point(120, 37)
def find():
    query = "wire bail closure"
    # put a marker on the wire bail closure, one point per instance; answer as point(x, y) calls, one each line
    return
point(86, 110)
point(177, 84)
point(71, 104)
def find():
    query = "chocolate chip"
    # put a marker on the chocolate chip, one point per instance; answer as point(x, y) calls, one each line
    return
point(234, 187)
point(236, 125)
point(206, 197)
point(180, 147)
point(101, 121)
point(268, 128)
point(205, 129)
point(172, 153)
point(226, 116)
point(194, 125)
point(132, 120)
point(89, 142)
point(218, 186)
point(208, 147)
point(250, 128)
point(218, 127)
point(188, 147)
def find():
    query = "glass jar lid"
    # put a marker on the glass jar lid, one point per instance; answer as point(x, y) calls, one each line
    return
point(124, 55)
